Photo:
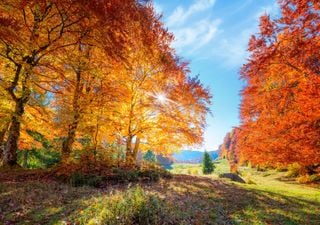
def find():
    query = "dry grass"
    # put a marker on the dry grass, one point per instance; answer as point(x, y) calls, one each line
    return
point(184, 199)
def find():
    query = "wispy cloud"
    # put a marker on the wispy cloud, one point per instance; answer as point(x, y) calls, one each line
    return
point(193, 37)
point(191, 28)
point(200, 34)
point(181, 15)
point(233, 49)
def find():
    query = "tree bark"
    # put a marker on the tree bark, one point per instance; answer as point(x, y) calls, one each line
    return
point(2, 142)
point(129, 158)
point(131, 154)
point(11, 147)
point(68, 142)
point(136, 148)
point(25, 158)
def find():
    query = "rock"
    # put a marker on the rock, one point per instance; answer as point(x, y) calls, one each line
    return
point(232, 176)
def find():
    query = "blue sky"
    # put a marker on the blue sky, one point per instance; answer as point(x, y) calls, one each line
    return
point(213, 36)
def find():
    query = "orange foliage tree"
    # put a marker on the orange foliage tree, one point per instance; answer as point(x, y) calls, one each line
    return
point(100, 69)
point(280, 107)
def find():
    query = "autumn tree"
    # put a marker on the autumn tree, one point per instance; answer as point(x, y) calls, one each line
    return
point(280, 113)
point(34, 32)
point(31, 31)
point(100, 70)
point(229, 148)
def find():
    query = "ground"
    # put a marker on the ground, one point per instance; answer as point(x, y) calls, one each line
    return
point(183, 199)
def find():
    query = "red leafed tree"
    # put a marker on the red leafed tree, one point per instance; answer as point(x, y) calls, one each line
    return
point(280, 108)
point(229, 148)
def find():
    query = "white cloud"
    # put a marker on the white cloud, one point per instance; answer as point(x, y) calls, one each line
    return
point(180, 15)
point(191, 29)
point(193, 37)
point(234, 49)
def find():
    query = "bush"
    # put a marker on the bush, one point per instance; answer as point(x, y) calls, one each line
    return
point(38, 158)
point(294, 170)
point(124, 175)
point(261, 168)
point(133, 207)
point(149, 156)
point(151, 174)
point(309, 179)
point(77, 179)
point(281, 169)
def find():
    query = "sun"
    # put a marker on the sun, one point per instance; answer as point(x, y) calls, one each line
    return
point(161, 98)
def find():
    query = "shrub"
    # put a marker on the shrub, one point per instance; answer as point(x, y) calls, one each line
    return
point(124, 175)
point(133, 207)
point(151, 174)
point(38, 158)
point(261, 168)
point(309, 178)
point(294, 170)
point(149, 156)
point(77, 179)
point(281, 169)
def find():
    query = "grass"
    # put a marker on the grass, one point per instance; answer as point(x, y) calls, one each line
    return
point(221, 166)
point(184, 199)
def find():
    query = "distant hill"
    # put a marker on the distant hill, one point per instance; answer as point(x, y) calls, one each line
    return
point(188, 156)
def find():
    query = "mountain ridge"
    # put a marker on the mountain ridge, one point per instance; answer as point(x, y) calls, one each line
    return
point(190, 156)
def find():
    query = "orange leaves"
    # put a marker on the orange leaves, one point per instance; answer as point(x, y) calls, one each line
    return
point(280, 103)
point(78, 69)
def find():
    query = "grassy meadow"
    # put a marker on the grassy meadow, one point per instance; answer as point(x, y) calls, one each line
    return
point(187, 198)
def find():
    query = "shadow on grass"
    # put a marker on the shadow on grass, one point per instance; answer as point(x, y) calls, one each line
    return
point(181, 200)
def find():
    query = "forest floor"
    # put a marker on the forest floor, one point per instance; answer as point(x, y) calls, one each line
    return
point(183, 199)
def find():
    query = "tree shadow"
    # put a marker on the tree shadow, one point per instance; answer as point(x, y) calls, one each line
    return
point(181, 200)
point(235, 205)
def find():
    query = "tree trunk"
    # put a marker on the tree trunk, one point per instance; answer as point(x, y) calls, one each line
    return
point(10, 150)
point(67, 144)
point(129, 158)
point(131, 154)
point(2, 142)
point(136, 148)
point(25, 158)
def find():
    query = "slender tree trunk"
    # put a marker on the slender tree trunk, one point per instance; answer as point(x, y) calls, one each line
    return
point(25, 158)
point(131, 154)
point(68, 142)
point(11, 147)
point(129, 158)
point(136, 148)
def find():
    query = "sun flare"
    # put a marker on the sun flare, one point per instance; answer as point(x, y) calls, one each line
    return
point(161, 98)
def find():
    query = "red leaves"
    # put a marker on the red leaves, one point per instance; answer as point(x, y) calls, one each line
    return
point(267, 26)
point(280, 107)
